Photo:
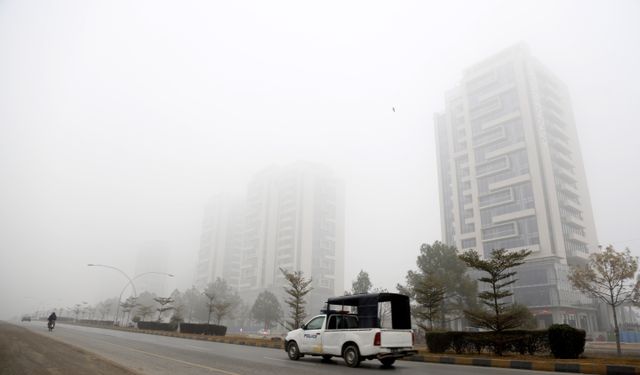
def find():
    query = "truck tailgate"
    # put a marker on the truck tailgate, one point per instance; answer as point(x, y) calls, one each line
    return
point(396, 339)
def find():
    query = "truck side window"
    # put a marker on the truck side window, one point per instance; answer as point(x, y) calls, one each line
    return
point(332, 322)
point(315, 323)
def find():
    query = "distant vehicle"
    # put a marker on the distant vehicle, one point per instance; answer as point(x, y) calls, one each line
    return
point(26, 318)
point(357, 335)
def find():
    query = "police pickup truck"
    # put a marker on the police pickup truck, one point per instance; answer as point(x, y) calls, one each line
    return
point(357, 327)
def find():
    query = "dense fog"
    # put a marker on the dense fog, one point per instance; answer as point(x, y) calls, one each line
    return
point(119, 121)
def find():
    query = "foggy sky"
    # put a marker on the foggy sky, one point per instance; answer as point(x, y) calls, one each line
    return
point(120, 119)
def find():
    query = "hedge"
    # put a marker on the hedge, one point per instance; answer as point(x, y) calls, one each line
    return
point(204, 329)
point(566, 341)
point(515, 341)
point(156, 326)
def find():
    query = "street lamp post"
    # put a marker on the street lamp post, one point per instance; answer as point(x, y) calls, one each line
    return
point(123, 274)
point(131, 283)
point(133, 286)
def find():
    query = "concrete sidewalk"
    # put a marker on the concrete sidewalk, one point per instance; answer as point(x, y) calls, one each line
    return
point(25, 352)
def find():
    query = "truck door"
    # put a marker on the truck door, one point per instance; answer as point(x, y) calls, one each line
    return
point(312, 335)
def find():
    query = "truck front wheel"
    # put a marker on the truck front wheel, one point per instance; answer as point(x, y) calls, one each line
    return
point(293, 351)
point(351, 355)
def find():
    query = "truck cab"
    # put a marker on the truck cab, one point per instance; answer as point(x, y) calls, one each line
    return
point(362, 326)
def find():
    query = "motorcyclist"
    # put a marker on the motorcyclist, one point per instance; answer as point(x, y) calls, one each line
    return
point(52, 320)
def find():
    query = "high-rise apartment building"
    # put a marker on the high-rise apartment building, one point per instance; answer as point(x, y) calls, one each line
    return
point(294, 221)
point(221, 242)
point(511, 176)
point(291, 218)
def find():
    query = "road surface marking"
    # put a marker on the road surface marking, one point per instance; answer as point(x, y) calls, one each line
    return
point(278, 359)
point(172, 359)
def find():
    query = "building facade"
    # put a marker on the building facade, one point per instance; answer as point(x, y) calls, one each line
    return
point(291, 218)
point(511, 176)
point(294, 221)
point(221, 242)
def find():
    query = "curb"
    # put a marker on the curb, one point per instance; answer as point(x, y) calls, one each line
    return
point(586, 368)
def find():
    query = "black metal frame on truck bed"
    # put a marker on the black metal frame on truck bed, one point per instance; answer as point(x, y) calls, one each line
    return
point(367, 308)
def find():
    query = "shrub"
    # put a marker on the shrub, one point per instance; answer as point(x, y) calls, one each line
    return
point(156, 326)
point(203, 329)
point(438, 342)
point(566, 341)
point(515, 341)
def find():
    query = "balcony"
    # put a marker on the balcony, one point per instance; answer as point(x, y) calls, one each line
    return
point(564, 175)
point(568, 189)
point(573, 221)
point(571, 205)
point(559, 147)
point(575, 237)
point(562, 160)
point(556, 131)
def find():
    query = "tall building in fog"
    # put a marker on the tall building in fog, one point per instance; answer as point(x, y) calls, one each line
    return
point(294, 220)
point(221, 242)
point(153, 259)
point(511, 176)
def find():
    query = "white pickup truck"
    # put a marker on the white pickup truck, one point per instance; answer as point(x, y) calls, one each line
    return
point(374, 326)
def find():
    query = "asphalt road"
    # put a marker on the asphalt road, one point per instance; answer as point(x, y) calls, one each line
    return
point(160, 355)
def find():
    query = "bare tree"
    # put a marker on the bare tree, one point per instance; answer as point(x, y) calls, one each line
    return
point(609, 277)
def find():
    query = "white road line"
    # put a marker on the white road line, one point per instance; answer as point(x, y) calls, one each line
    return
point(279, 359)
point(172, 359)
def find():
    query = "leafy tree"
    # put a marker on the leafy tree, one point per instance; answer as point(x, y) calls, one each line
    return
point(298, 287)
point(144, 311)
point(163, 302)
point(211, 296)
point(195, 305)
point(362, 283)
point(177, 317)
point(501, 315)
point(429, 294)
point(128, 306)
point(438, 264)
point(609, 277)
point(266, 309)
point(221, 300)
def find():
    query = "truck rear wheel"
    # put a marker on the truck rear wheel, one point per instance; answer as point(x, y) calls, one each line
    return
point(387, 362)
point(351, 355)
point(293, 351)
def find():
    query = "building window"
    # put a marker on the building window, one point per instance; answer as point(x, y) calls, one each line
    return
point(468, 243)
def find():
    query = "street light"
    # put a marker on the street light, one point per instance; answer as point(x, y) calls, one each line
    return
point(131, 283)
point(133, 286)
point(123, 274)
